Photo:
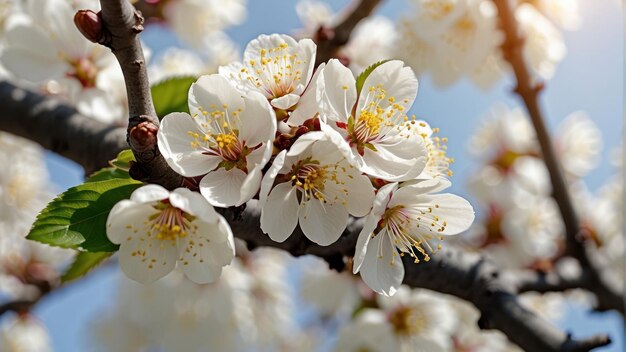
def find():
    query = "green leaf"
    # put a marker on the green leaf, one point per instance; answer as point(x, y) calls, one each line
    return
point(360, 80)
point(77, 218)
point(83, 263)
point(108, 173)
point(123, 160)
point(170, 95)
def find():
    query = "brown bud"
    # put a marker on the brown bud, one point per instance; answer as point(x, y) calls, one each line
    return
point(324, 34)
point(89, 24)
point(143, 136)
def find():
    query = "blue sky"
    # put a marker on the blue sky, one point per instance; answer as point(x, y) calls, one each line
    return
point(590, 79)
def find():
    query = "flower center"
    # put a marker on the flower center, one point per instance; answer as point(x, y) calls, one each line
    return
point(276, 72)
point(376, 119)
point(319, 181)
point(169, 223)
point(222, 138)
point(438, 163)
point(410, 229)
point(84, 70)
point(407, 321)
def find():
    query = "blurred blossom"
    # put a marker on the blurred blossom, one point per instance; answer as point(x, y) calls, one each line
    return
point(250, 306)
point(371, 41)
point(42, 46)
point(549, 305)
point(24, 333)
point(330, 292)
point(452, 39)
point(175, 62)
point(564, 13)
point(24, 191)
point(467, 336)
point(198, 21)
point(410, 318)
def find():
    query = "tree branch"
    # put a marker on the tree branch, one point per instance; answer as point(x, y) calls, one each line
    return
point(117, 27)
point(330, 40)
point(58, 127)
point(529, 91)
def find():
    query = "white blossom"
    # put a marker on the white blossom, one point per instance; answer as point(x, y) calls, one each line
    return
point(157, 229)
point(24, 334)
point(228, 138)
point(198, 22)
point(315, 186)
point(275, 65)
point(406, 218)
point(372, 128)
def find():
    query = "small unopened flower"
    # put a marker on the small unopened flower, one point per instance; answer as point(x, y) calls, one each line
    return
point(373, 126)
point(157, 229)
point(406, 219)
point(314, 185)
point(227, 137)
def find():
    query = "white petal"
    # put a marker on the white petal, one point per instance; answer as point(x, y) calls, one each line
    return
point(384, 164)
point(213, 92)
point(258, 121)
point(456, 211)
point(339, 91)
point(149, 194)
point(432, 185)
point(125, 217)
point(30, 55)
point(146, 260)
point(322, 224)
point(307, 106)
point(204, 254)
point(194, 204)
point(382, 198)
point(307, 54)
point(279, 215)
point(270, 176)
point(398, 82)
point(223, 188)
point(175, 145)
point(304, 142)
point(250, 185)
point(382, 274)
point(362, 242)
point(286, 101)
point(361, 196)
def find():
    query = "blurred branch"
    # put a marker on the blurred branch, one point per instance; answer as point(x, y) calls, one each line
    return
point(330, 40)
point(58, 127)
point(609, 296)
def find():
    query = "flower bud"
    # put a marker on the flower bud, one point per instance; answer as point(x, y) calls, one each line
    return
point(89, 24)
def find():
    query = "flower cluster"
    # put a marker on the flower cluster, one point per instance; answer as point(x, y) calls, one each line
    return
point(315, 146)
point(521, 226)
point(449, 39)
